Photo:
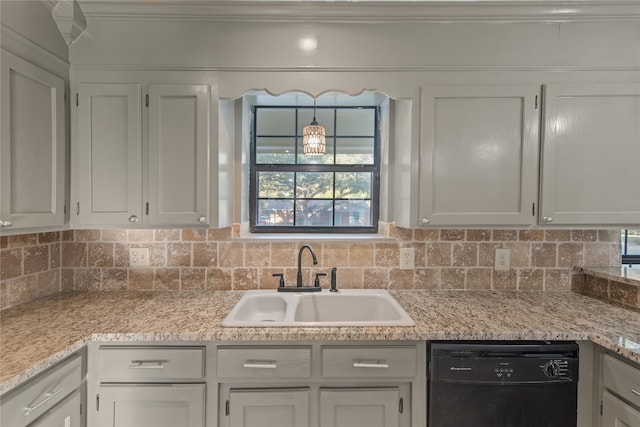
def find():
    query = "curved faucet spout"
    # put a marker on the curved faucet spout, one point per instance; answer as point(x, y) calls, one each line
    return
point(315, 262)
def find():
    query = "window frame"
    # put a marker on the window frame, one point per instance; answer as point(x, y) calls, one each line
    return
point(628, 259)
point(255, 168)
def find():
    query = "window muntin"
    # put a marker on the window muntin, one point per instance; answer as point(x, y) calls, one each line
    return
point(336, 192)
point(630, 241)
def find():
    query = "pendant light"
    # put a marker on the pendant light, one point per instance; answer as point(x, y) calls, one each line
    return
point(313, 142)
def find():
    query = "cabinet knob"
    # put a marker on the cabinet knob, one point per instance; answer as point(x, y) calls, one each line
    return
point(133, 218)
point(547, 219)
point(425, 221)
point(5, 224)
point(202, 219)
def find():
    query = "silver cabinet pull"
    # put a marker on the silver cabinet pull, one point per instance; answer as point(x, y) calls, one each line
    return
point(547, 219)
point(202, 219)
point(425, 221)
point(148, 364)
point(47, 396)
point(133, 218)
point(378, 365)
point(6, 224)
point(636, 392)
point(260, 364)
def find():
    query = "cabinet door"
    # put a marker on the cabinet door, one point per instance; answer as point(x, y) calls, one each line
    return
point(64, 414)
point(616, 413)
point(267, 408)
point(151, 405)
point(479, 155)
point(591, 153)
point(109, 155)
point(178, 155)
point(32, 165)
point(360, 407)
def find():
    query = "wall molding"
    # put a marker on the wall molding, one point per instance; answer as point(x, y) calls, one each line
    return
point(365, 11)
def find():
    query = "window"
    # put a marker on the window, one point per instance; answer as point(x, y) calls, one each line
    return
point(335, 192)
point(630, 240)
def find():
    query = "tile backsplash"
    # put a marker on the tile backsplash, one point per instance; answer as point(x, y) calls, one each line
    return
point(34, 265)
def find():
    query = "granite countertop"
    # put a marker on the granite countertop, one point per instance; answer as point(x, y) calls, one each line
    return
point(35, 335)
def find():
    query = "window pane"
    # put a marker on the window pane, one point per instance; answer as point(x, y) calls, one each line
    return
point(275, 185)
point(277, 121)
point(355, 122)
point(314, 185)
point(326, 159)
point(633, 242)
point(275, 150)
point(353, 213)
point(324, 117)
point(354, 151)
point(275, 212)
point(353, 185)
point(314, 213)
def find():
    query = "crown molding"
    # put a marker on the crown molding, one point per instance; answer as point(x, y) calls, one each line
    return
point(365, 11)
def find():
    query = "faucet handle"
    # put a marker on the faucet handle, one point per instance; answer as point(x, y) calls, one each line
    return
point(316, 282)
point(281, 275)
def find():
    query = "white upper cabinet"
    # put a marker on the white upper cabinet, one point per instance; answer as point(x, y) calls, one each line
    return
point(32, 162)
point(125, 183)
point(109, 155)
point(178, 154)
point(591, 155)
point(479, 155)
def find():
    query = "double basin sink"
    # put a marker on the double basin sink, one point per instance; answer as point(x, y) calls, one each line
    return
point(347, 307)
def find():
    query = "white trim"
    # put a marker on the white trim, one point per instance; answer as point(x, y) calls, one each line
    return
point(8, 33)
point(365, 11)
point(372, 69)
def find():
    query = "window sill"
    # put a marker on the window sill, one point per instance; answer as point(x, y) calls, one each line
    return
point(329, 238)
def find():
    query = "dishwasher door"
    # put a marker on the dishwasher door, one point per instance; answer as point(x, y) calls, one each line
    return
point(497, 385)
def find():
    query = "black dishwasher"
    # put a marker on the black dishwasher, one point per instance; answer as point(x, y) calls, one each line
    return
point(503, 384)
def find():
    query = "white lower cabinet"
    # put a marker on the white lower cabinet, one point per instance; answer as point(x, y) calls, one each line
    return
point(617, 413)
point(65, 414)
point(151, 405)
point(370, 407)
point(621, 393)
point(321, 385)
point(148, 386)
point(51, 399)
point(267, 408)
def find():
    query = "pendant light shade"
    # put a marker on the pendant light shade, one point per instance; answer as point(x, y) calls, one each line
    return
point(313, 137)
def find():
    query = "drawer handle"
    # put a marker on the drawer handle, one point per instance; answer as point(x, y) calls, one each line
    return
point(47, 397)
point(148, 364)
point(378, 365)
point(260, 364)
point(636, 392)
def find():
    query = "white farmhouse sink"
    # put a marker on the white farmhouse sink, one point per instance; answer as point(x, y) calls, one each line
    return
point(347, 307)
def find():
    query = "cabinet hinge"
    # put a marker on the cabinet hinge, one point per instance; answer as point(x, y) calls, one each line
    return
point(533, 209)
point(77, 99)
point(601, 408)
point(77, 208)
point(65, 209)
point(146, 209)
point(97, 402)
point(227, 408)
point(146, 100)
point(536, 102)
point(81, 409)
point(401, 405)
point(65, 97)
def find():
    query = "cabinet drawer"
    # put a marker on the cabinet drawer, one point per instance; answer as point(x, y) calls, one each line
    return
point(151, 363)
point(42, 393)
point(264, 362)
point(622, 379)
point(357, 362)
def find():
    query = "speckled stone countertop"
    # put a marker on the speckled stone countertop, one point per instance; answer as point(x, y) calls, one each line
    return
point(35, 335)
point(628, 275)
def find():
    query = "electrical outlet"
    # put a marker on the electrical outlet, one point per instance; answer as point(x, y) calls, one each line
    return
point(502, 259)
point(139, 257)
point(407, 258)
